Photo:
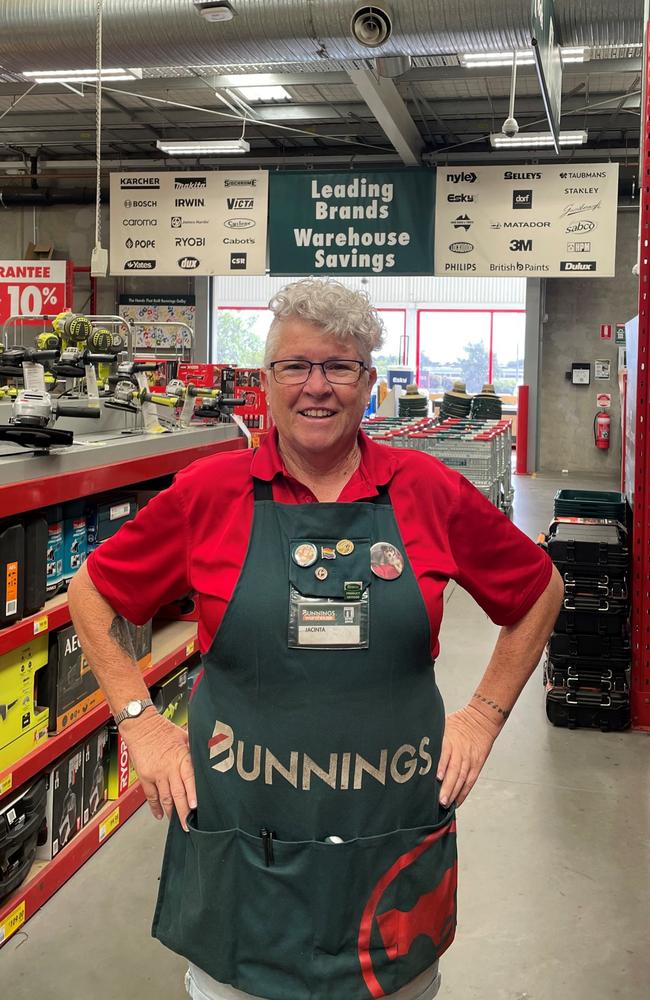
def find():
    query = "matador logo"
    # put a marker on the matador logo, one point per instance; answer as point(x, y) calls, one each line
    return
point(221, 743)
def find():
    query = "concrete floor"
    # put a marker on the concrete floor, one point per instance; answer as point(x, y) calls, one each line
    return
point(554, 897)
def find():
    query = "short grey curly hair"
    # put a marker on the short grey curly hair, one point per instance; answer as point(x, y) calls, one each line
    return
point(339, 311)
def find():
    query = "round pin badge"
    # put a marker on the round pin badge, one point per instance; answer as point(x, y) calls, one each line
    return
point(305, 554)
point(321, 573)
point(345, 547)
point(386, 561)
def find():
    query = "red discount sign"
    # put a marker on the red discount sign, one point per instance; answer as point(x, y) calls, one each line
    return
point(32, 288)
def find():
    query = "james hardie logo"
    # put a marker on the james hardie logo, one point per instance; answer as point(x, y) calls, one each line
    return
point(221, 743)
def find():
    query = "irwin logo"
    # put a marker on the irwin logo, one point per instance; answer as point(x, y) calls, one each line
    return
point(190, 203)
point(345, 771)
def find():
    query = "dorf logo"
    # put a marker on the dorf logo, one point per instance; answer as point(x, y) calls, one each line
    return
point(461, 247)
point(462, 178)
point(522, 199)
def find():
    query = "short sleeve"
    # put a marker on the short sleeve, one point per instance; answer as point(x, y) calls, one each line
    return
point(503, 570)
point(145, 564)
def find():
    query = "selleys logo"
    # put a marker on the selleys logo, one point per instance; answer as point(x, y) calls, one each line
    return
point(346, 771)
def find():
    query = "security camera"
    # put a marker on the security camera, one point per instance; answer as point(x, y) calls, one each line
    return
point(510, 127)
point(214, 10)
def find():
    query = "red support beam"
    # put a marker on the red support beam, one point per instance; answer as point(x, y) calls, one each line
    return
point(522, 431)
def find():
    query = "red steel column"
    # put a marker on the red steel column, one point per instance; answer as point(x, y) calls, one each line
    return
point(640, 694)
point(522, 431)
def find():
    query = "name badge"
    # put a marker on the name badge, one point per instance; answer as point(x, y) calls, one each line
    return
point(326, 623)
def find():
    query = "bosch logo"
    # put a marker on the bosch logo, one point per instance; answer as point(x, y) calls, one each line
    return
point(176, 221)
point(461, 247)
point(238, 261)
point(522, 199)
point(141, 223)
point(139, 265)
point(239, 224)
point(583, 226)
point(240, 204)
point(189, 241)
point(460, 199)
point(462, 178)
point(190, 183)
point(189, 263)
point(578, 265)
point(140, 204)
point(134, 182)
point(582, 246)
point(140, 244)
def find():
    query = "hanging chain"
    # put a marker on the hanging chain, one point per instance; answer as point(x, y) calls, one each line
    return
point(98, 123)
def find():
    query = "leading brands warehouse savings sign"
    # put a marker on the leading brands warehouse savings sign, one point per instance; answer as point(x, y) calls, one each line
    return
point(539, 221)
point(376, 222)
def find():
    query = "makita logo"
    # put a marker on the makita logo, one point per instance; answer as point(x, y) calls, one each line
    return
point(578, 265)
point(240, 204)
point(522, 199)
point(189, 263)
point(239, 224)
point(518, 246)
point(464, 199)
point(584, 226)
point(133, 181)
point(345, 771)
point(461, 247)
point(513, 175)
point(463, 178)
point(189, 241)
point(140, 204)
point(189, 202)
point(139, 265)
point(462, 222)
point(231, 182)
point(190, 183)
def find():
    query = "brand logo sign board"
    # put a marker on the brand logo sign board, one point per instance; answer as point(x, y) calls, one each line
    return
point(371, 222)
point(189, 222)
point(544, 221)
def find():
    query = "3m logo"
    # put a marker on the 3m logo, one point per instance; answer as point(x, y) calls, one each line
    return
point(578, 265)
point(240, 204)
point(220, 743)
point(238, 261)
point(520, 246)
point(522, 199)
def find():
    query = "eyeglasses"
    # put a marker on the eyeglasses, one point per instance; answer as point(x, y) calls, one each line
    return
point(337, 371)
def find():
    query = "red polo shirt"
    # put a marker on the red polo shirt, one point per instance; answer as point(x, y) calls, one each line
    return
point(194, 536)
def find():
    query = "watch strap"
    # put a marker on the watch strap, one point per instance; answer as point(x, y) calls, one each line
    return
point(125, 714)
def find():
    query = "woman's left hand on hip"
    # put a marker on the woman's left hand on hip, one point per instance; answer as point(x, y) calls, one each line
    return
point(466, 744)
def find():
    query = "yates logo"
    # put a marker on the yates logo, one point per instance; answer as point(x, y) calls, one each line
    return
point(462, 178)
point(133, 183)
point(583, 226)
point(239, 224)
point(190, 183)
point(461, 247)
point(240, 204)
point(522, 199)
point(578, 265)
point(189, 263)
point(238, 261)
point(139, 265)
point(520, 246)
point(462, 222)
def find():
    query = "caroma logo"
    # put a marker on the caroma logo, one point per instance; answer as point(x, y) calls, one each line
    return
point(239, 224)
point(189, 263)
point(461, 247)
point(139, 265)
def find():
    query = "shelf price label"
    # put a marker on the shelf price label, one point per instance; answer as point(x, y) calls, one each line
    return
point(6, 784)
point(41, 624)
point(32, 288)
point(11, 923)
point(110, 824)
point(189, 649)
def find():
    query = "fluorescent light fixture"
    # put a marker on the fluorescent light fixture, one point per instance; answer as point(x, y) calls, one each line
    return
point(475, 59)
point(527, 139)
point(264, 93)
point(573, 54)
point(203, 147)
point(81, 75)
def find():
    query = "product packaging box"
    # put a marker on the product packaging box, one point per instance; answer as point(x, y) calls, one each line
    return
point(96, 757)
point(71, 689)
point(205, 376)
point(75, 543)
point(12, 573)
point(55, 548)
point(106, 517)
point(170, 697)
point(64, 807)
point(121, 773)
point(141, 636)
point(23, 712)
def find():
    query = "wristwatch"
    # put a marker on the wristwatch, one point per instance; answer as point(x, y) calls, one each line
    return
point(132, 710)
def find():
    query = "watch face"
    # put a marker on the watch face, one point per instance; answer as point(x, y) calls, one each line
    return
point(134, 708)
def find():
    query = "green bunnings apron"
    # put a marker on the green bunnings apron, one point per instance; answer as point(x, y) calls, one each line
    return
point(319, 863)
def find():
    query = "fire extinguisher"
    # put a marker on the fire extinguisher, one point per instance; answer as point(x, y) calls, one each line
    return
point(602, 423)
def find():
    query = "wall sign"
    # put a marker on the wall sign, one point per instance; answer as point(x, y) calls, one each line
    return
point(604, 400)
point(606, 331)
point(147, 310)
point(544, 221)
point(375, 222)
point(602, 369)
point(620, 333)
point(32, 288)
point(198, 222)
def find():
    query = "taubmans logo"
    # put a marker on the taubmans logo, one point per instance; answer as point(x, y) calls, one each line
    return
point(461, 247)
point(578, 265)
point(240, 204)
point(463, 178)
point(139, 265)
point(345, 771)
point(189, 263)
point(583, 226)
point(190, 183)
point(132, 181)
point(239, 224)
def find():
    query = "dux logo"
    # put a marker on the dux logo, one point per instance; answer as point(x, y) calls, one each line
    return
point(220, 744)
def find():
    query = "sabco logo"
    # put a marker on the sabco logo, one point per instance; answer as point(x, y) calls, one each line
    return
point(583, 226)
point(462, 178)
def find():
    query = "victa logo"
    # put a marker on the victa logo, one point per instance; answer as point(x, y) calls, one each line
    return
point(190, 241)
point(581, 246)
point(139, 265)
point(240, 204)
point(461, 247)
point(583, 226)
point(190, 203)
point(518, 246)
point(462, 222)
point(578, 265)
point(238, 261)
point(522, 199)
point(189, 263)
point(190, 183)
point(456, 199)
point(462, 178)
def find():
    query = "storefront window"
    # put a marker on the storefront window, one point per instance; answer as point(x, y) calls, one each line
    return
point(391, 353)
point(239, 334)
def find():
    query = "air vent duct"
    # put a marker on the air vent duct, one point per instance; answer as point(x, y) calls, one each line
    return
point(371, 26)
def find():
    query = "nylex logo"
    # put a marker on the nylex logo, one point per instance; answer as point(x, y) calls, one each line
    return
point(346, 771)
point(190, 183)
point(462, 178)
point(578, 265)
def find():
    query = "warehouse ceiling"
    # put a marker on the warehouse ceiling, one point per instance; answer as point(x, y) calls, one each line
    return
point(410, 100)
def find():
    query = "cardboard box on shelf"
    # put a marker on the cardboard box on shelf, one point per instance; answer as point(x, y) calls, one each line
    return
point(170, 697)
point(64, 808)
point(96, 757)
point(121, 773)
point(71, 687)
point(23, 713)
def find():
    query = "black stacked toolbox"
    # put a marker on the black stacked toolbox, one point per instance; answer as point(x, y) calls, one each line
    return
point(21, 820)
point(588, 659)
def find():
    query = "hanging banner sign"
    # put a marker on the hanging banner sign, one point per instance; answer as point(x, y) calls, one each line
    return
point(199, 222)
point(32, 288)
point(535, 221)
point(375, 222)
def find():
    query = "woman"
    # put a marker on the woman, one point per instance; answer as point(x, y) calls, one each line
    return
point(311, 850)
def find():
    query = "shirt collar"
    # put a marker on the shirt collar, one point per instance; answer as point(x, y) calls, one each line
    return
point(377, 461)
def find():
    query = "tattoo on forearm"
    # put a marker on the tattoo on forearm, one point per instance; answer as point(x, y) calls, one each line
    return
point(504, 713)
point(119, 633)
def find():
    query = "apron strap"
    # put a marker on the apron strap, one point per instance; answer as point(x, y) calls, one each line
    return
point(263, 490)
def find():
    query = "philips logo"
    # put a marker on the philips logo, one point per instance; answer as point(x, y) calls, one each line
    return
point(578, 265)
point(522, 199)
point(134, 182)
point(238, 261)
point(189, 263)
point(240, 204)
point(190, 202)
point(190, 183)
point(461, 247)
point(139, 265)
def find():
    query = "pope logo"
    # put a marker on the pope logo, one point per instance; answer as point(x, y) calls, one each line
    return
point(221, 743)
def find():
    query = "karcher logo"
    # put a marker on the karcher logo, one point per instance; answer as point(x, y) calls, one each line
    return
point(345, 771)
